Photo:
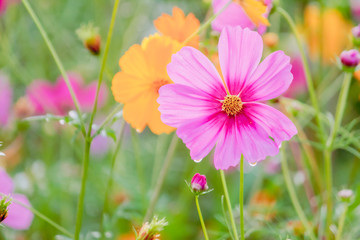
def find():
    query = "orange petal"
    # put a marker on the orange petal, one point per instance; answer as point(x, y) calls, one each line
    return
point(178, 26)
point(155, 123)
point(255, 11)
point(126, 87)
point(134, 62)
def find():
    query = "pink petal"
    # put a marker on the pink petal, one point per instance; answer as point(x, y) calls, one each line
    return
point(6, 93)
point(200, 135)
point(240, 52)
point(2, 6)
point(242, 136)
point(192, 68)
point(276, 124)
point(6, 184)
point(272, 78)
point(87, 96)
point(180, 104)
point(43, 97)
point(233, 16)
point(298, 85)
point(19, 217)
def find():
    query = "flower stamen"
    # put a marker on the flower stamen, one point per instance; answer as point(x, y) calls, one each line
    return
point(232, 105)
point(159, 83)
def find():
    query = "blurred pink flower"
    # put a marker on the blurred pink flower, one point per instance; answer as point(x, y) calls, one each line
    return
point(234, 16)
point(208, 111)
point(355, 8)
point(19, 217)
point(56, 98)
point(6, 93)
point(298, 85)
point(2, 6)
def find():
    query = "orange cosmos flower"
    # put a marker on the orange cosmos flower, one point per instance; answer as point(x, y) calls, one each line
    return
point(335, 31)
point(178, 26)
point(143, 72)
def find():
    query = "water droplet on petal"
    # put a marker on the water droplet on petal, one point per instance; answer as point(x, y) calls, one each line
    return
point(198, 160)
point(253, 164)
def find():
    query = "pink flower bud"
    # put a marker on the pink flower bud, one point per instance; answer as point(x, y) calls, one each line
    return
point(350, 58)
point(198, 183)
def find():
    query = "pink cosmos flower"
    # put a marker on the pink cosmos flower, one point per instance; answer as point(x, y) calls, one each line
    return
point(234, 16)
point(208, 111)
point(6, 93)
point(56, 99)
point(199, 183)
point(18, 218)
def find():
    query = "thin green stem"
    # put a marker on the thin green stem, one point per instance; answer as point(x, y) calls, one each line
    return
point(107, 119)
point(57, 61)
point(341, 222)
point(206, 24)
point(340, 109)
point(293, 196)
point(42, 216)
point(162, 175)
point(80, 208)
point(110, 179)
point(309, 81)
point(103, 63)
point(228, 203)
point(201, 217)
point(241, 198)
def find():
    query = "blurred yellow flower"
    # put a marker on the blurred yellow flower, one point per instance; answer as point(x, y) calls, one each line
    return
point(143, 72)
point(255, 10)
point(178, 26)
point(334, 35)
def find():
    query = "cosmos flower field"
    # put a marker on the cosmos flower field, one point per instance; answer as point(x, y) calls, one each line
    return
point(168, 119)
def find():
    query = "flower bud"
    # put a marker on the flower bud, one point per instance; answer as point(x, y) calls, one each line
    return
point(198, 183)
point(271, 39)
point(90, 37)
point(350, 59)
point(4, 204)
point(345, 195)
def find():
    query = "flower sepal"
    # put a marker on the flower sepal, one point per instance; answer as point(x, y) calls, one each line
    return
point(4, 204)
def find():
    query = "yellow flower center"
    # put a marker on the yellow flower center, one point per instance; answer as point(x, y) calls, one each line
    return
point(159, 83)
point(232, 105)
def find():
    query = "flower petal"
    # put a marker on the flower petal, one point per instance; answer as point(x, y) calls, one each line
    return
point(192, 68)
point(242, 136)
point(155, 123)
point(272, 78)
point(276, 124)
point(200, 135)
point(179, 104)
point(240, 52)
point(233, 16)
point(19, 217)
point(6, 185)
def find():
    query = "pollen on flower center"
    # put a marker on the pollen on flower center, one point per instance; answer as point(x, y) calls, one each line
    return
point(232, 105)
point(159, 83)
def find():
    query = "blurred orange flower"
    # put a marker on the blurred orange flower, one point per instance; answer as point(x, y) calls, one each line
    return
point(262, 204)
point(178, 26)
point(255, 10)
point(334, 35)
point(143, 72)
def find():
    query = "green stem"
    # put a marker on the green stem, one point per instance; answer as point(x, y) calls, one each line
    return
point(293, 197)
point(110, 179)
point(241, 198)
point(201, 217)
point(57, 61)
point(138, 162)
point(309, 81)
point(340, 109)
point(341, 223)
point(42, 216)
point(80, 208)
point(228, 203)
point(103, 63)
point(161, 179)
point(107, 119)
point(206, 24)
